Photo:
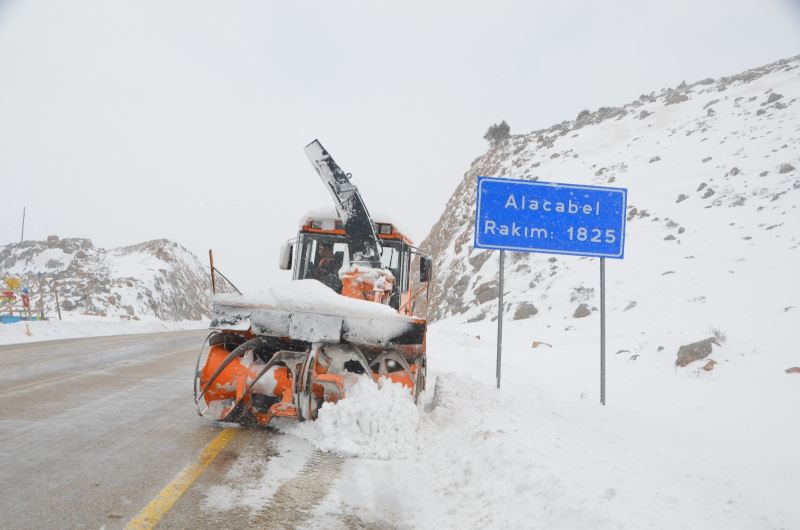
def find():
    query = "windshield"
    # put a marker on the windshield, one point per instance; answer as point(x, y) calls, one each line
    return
point(325, 258)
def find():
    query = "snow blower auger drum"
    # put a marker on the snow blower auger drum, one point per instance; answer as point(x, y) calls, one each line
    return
point(348, 313)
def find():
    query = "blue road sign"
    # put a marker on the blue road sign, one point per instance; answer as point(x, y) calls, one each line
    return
point(532, 216)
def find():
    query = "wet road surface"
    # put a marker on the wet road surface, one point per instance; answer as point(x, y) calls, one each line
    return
point(93, 431)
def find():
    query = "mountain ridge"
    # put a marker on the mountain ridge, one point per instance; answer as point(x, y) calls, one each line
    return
point(156, 279)
point(686, 130)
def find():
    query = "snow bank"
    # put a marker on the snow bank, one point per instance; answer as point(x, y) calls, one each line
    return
point(308, 296)
point(665, 455)
point(374, 421)
point(77, 326)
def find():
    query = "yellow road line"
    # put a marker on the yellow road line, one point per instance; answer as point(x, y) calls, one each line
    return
point(152, 513)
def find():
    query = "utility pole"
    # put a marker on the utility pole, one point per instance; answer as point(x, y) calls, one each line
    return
point(22, 235)
point(55, 291)
point(41, 298)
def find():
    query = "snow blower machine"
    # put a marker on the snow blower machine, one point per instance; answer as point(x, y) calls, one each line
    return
point(347, 313)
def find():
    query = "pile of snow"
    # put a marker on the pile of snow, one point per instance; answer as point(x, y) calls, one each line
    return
point(373, 421)
point(78, 326)
point(664, 453)
point(308, 296)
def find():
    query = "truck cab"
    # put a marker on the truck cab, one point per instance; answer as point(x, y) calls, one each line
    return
point(322, 252)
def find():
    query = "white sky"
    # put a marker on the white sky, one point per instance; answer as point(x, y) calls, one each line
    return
point(129, 121)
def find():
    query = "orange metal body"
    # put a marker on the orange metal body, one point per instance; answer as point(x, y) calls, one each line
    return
point(231, 383)
point(356, 285)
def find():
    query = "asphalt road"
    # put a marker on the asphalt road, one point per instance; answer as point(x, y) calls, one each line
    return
point(94, 431)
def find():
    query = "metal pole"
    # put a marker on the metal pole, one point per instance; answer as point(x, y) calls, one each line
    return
point(603, 331)
point(213, 280)
point(58, 306)
point(500, 316)
point(41, 298)
point(22, 235)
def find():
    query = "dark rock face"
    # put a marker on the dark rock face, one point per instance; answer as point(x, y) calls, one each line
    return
point(525, 310)
point(773, 97)
point(674, 97)
point(479, 259)
point(689, 353)
point(486, 292)
point(582, 311)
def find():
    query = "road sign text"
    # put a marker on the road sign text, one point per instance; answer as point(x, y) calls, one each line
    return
point(553, 218)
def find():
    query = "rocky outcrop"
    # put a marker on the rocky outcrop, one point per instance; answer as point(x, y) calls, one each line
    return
point(525, 310)
point(582, 311)
point(688, 353)
point(156, 279)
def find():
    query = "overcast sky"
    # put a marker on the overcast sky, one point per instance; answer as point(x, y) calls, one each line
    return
point(129, 121)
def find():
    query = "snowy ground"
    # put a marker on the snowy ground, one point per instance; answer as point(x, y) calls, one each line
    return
point(76, 326)
point(673, 448)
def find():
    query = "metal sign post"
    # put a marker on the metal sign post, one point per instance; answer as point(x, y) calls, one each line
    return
point(603, 331)
point(500, 316)
point(533, 216)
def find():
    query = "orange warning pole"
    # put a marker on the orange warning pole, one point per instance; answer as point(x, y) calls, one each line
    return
point(213, 279)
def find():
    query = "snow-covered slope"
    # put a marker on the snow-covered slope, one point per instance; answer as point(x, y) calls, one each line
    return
point(157, 279)
point(713, 172)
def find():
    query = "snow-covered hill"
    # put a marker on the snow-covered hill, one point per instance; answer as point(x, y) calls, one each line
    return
point(713, 234)
point(157, 279)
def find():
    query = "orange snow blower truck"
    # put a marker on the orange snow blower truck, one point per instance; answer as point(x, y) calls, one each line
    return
point(348, 313)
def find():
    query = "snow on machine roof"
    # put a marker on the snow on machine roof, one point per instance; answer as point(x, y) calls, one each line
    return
point(328, 219)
